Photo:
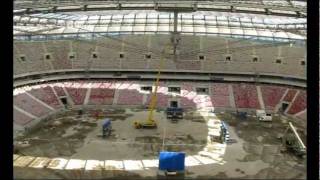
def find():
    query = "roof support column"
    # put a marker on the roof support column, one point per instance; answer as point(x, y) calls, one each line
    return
point(175, 22)
point(175, 35)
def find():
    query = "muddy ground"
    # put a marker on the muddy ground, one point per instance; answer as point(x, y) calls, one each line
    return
point(254, 153)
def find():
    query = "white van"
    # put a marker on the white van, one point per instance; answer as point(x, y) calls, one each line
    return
point(263, 116)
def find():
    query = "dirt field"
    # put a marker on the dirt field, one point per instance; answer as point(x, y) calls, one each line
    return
point(254, 153)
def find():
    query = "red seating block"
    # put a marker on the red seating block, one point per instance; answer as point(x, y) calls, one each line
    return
point(20, 118)
point(220, 95)
point(271, 96)
point(59, 90)
point(30, 105)
point(100, 96)
point(187, 95)
point(129, 97)
point(77, 94)
point(46, 94)
point(245, 96)
point(299, 104)
point(290, 95)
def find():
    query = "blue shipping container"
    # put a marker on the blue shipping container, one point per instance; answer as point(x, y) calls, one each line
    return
point(171, 161)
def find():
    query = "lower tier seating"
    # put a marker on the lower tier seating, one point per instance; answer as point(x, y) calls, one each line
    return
point(77, 94)
point(59, 90)
point(129, 97)
point(245, 96)
point(101, 96)
point(272, 95)
point(299, 104)
point(20, 118)
point(25, 102)
point(290, 95)
point(46, 95)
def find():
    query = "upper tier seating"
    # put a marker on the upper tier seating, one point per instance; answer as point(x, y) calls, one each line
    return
point(107, 55)
point(188, 45)
point(46, 94)
point(25, 102)
point(245, 96)
point(134, 64)
point(167, 64)
point(60, 52)
point(83, 54)
point(34, 57)
point(188, 65)
point(18, 65)
point(134, 51)
point(271, 96)
point(20, 118)
point(299, 104)
point(214, 49)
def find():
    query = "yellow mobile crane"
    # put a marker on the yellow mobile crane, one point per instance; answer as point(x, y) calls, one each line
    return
point(150, 122)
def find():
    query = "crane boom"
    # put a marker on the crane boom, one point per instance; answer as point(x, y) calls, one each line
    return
point(150, 122)
point(154, 97)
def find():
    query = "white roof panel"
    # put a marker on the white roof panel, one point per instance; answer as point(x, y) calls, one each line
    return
point(212, 30)
point(151, 28)
point(138, 28)
point(224, 31)
point(187, 29)
point(114, 28)
point(237, 31)
point(126, 28)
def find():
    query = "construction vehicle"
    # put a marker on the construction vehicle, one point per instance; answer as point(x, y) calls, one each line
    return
point(263, 116)
point(106, 128)
point(292, 141)
point(174, 113)
point(150, 122)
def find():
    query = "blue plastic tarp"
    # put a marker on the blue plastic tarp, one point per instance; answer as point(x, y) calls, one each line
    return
point(171, 161)
point(106, 123)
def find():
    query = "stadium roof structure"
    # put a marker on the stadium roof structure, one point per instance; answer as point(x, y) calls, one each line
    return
point(256, 19)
